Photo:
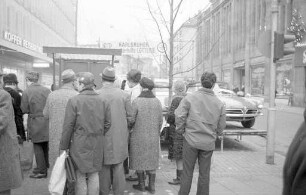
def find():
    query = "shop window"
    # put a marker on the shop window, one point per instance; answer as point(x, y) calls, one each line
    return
point(257, 80)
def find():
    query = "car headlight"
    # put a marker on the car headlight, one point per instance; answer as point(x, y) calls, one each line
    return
point(260, 106)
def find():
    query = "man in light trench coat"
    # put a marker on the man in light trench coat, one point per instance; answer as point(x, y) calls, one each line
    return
point(115, 149)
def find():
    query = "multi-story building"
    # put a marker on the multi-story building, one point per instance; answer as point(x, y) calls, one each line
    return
point(184, 48)
point(28, 25)
point(228, 34)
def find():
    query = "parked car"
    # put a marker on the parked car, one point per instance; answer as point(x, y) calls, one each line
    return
point(240, 109)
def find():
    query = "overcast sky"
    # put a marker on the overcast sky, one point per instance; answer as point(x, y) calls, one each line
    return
point(127, 20)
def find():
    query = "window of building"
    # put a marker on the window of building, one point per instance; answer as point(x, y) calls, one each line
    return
point(8, 18)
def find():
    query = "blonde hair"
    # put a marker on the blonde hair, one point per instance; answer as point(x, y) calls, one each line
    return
point(179, 86)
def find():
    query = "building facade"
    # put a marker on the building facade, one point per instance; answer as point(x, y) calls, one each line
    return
point(184, 48)
point(227, 44)
point(28, 25)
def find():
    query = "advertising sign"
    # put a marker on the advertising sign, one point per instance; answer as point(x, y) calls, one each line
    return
point(21, 42)
point(300, 56)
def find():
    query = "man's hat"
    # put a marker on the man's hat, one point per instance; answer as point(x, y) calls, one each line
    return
point(32, 76)
point(146, 83)
point(86, 78)
point(68, 75)
point(109, 74)
point(10, 78)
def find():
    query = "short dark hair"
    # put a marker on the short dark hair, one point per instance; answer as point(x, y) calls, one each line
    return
point(208, 79)
point(134, 75)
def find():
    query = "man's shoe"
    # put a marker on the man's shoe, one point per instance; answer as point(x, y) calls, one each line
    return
point(131, 178)
point(39, 175)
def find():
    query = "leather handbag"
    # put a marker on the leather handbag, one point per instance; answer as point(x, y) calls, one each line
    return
point(70, 169)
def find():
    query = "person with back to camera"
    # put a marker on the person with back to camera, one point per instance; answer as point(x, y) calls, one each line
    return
point(200, 117)
point(134, 89)
point(175, 139)
point(10, 169)
point(147, 118)
point(87, 120)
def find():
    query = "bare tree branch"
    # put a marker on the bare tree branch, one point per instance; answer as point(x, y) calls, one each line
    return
point(190, 48)
point(177, 9)
point(187, 42)
point(159, 30)
point(162, 16)
point(203, 58)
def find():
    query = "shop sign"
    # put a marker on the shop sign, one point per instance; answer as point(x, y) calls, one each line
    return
point(130, 47)
point(21, 42)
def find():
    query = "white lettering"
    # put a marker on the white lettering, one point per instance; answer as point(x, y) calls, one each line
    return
point(21, 42)
point(304, 57)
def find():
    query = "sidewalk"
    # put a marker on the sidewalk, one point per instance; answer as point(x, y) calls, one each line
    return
point(239, 170)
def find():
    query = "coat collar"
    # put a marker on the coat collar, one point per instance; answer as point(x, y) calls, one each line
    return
point(147, 94)
point(88, 92)
point(208, 91)
point(108, 85)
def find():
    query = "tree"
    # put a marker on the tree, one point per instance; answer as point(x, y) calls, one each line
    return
point(297, 26)
point(170, 29)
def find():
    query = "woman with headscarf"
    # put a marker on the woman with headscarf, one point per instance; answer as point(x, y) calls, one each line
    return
point(175, 139)
point(144, 140)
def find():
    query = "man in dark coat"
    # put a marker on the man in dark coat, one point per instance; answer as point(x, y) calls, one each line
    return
point(116, 139)
point(10, 170)
point(87, 119)
point(10, 84)
point(294, 175)
point(32, 103)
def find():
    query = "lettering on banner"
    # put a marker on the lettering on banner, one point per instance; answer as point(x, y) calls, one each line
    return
point(304, 57)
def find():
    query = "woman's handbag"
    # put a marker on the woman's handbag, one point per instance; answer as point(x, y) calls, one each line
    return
point(70, 169)
point(58, 176)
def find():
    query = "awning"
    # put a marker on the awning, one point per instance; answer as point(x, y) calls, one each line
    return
point(17, 51)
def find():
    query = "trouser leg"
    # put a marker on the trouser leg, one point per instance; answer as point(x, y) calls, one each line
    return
point(190, 155)
point(105, 179)
point(81, 184)
point(204, 159)
point(126, 166)
point(40, 158)
point(118, 179)
point(93, 183)
point(45, 146)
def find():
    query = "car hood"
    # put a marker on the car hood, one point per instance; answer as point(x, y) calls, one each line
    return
point(235, 102)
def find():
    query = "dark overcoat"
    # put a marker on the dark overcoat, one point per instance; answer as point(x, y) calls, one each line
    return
point(10, 170)
point(33, 102)
point(294, 175)
point(87, 118)
point(115, 148)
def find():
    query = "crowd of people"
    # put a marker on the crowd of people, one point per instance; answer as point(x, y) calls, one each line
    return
point(108, 132)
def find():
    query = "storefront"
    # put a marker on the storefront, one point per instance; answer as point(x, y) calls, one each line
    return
point(19, 56)
point(284, 78)
point(257, 79)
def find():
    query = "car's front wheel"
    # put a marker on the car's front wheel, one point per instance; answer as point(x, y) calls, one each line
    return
point(249, 123)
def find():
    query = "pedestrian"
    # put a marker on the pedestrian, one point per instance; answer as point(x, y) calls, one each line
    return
point(10, 169)
point(33, 102)
point(115, 149)
point(55, 111)
point(294, 172)
point(200, 117)
point(133, 78)
point(86, 121)
point(175, 148)
point(144, 141)
point(10, 85)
